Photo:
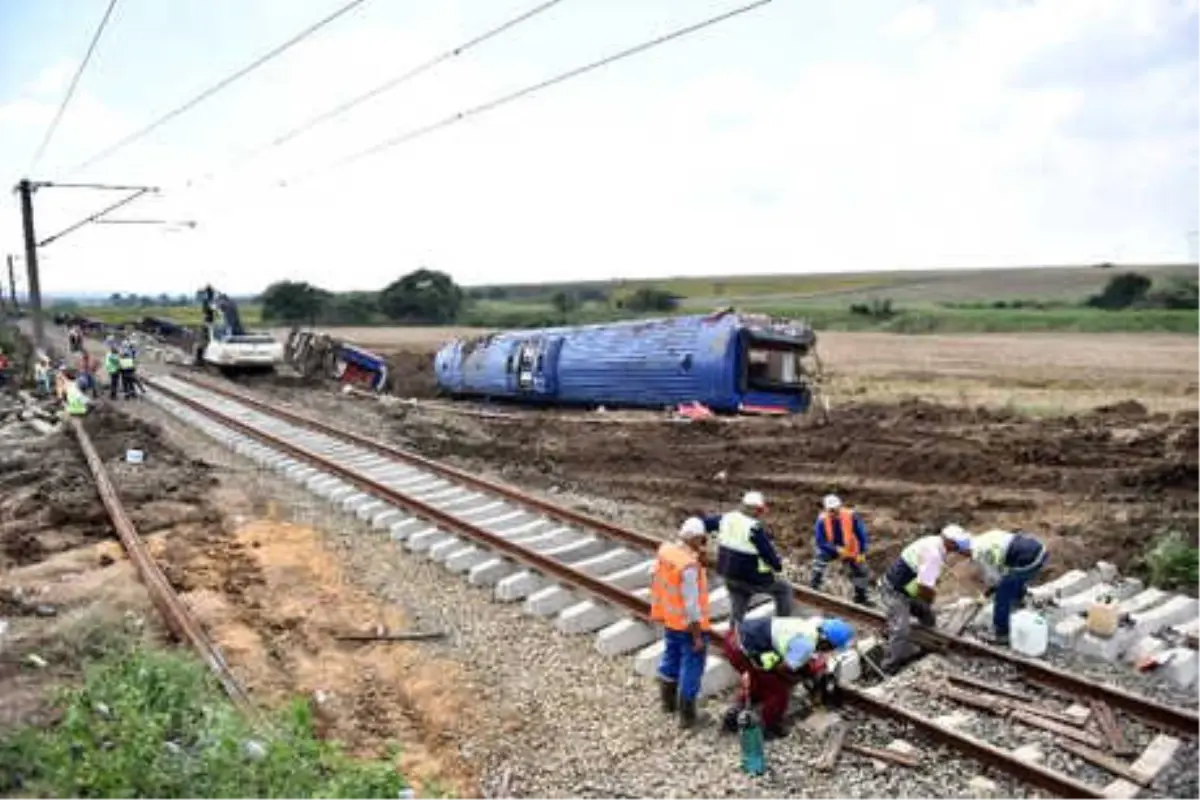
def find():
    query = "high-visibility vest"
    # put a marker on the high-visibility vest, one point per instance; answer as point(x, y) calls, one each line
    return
point(991, 548)
point(734, 534)
point(112, 363)
point(849, 540)
point(76, 402)
point(783, 631)
point(666, 588)
point(126, 362)
point(911, 556)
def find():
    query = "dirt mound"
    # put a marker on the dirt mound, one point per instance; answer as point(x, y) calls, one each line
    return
point(410, 373)
point(49, 503)
point(1127, 409)
point(1095, 479)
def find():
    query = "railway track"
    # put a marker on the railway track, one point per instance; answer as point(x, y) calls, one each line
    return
point(593, 577)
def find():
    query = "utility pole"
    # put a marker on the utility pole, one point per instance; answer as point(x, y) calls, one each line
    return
point(12, 286)
point(25, 189)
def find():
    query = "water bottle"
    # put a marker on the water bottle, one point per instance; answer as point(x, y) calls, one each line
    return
point(754, 760)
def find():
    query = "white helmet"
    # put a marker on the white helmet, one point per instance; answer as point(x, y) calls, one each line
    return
point(959, 536)
point(754, 500)
point(832, 502)
point(692, 528)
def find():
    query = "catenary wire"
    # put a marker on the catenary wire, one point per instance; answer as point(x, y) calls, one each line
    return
point(71, 89)
point(388, 85)
point(490, 105)
point(219, 85)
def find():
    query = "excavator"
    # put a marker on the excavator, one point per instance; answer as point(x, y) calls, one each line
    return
point(227, 345)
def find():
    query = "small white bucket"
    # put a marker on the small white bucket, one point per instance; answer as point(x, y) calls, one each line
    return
point(134, 456)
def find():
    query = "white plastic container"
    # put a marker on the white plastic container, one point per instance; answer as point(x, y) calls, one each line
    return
point(134, 456)
point(1029, 633)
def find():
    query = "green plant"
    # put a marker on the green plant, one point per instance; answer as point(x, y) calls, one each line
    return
point(1171, 562)
point(151, 723)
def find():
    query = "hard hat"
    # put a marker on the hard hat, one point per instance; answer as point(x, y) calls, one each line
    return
point(959, 536)
point(692, 528)
point(837, 632)
point(832, 502)
point(754, 499)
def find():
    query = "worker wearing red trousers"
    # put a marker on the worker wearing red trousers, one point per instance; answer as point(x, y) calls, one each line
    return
point(775, 654)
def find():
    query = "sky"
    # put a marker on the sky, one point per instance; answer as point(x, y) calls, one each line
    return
point(800, 137)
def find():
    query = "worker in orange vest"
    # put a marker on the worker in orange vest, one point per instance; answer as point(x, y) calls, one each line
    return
point(679, 600)
point(840, 535)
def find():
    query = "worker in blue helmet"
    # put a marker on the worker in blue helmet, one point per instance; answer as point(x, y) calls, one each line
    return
point(774, 654)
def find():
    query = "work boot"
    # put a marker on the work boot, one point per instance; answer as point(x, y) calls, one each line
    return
point(669, 691)
point(779, 730)
point(687, 713)
point(862, 599)
point(729, 723)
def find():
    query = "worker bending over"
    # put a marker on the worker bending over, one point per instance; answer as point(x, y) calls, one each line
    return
point(1007, 563)
point(840, 535)
point(773, 655)
point(910, 586)
point(679, 600)
point(746, 557)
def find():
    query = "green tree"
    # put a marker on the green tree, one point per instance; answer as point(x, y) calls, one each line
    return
point(293, 302)
point(1179, 293)
point(351, 308)
point(648, 298)
point(1122, 291)
point(425, 296)
point(564, 302)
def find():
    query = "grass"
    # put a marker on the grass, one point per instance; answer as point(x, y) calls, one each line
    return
point(154, 723)
point(183, 315)
point(1171, 562)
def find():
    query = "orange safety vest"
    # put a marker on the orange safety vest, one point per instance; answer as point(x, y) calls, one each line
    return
point(666, 589)
point(850, 541)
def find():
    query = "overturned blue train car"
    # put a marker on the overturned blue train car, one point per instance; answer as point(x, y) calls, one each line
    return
point(728, 361)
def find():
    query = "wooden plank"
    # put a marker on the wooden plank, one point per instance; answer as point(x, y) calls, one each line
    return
point(1104, 761)
point(984, 686)
point(833, 748)
point(993, 704)
point(1108, 726)
point(1034, 721)
point(1044, 713)
point(900, 759)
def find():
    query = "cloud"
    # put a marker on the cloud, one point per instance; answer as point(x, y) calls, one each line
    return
point(54, 79)
point(977, 134)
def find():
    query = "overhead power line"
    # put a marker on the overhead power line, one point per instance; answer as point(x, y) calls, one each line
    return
point(219, 85)
point(342, 108)
point(490, 105)
point(71, 89)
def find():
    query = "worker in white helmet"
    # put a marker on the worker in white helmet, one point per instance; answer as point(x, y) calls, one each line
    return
point(840, 535)
point(747, 559)
point(909, 588)
point(679, 602)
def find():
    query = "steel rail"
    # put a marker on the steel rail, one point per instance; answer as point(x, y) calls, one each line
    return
point(1045, 779)
point(181, 622)
point(1150, 711)
point(548, 566)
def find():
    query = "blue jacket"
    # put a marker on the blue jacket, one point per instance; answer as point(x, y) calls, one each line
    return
point(839, 536)
point(743, 566)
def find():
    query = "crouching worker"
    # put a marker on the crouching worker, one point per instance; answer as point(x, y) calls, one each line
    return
point(679, 600)
point(909, 588)
point(773, 655)
point(1007, 563)
point(74, 400)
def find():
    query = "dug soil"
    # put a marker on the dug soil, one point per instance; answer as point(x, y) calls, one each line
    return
point(267, 593)
point(1093, 486)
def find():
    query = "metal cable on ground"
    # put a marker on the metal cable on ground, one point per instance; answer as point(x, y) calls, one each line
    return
point(71, 89)
point(176, 615)
point(545, 84)
point(219, 85)
point(387, 86)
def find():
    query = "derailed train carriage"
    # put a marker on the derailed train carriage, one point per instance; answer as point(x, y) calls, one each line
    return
point(731, 362)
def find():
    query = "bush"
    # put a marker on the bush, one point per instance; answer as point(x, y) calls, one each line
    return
point(1122, 291)
point(149, 723)
point(1172, 563)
